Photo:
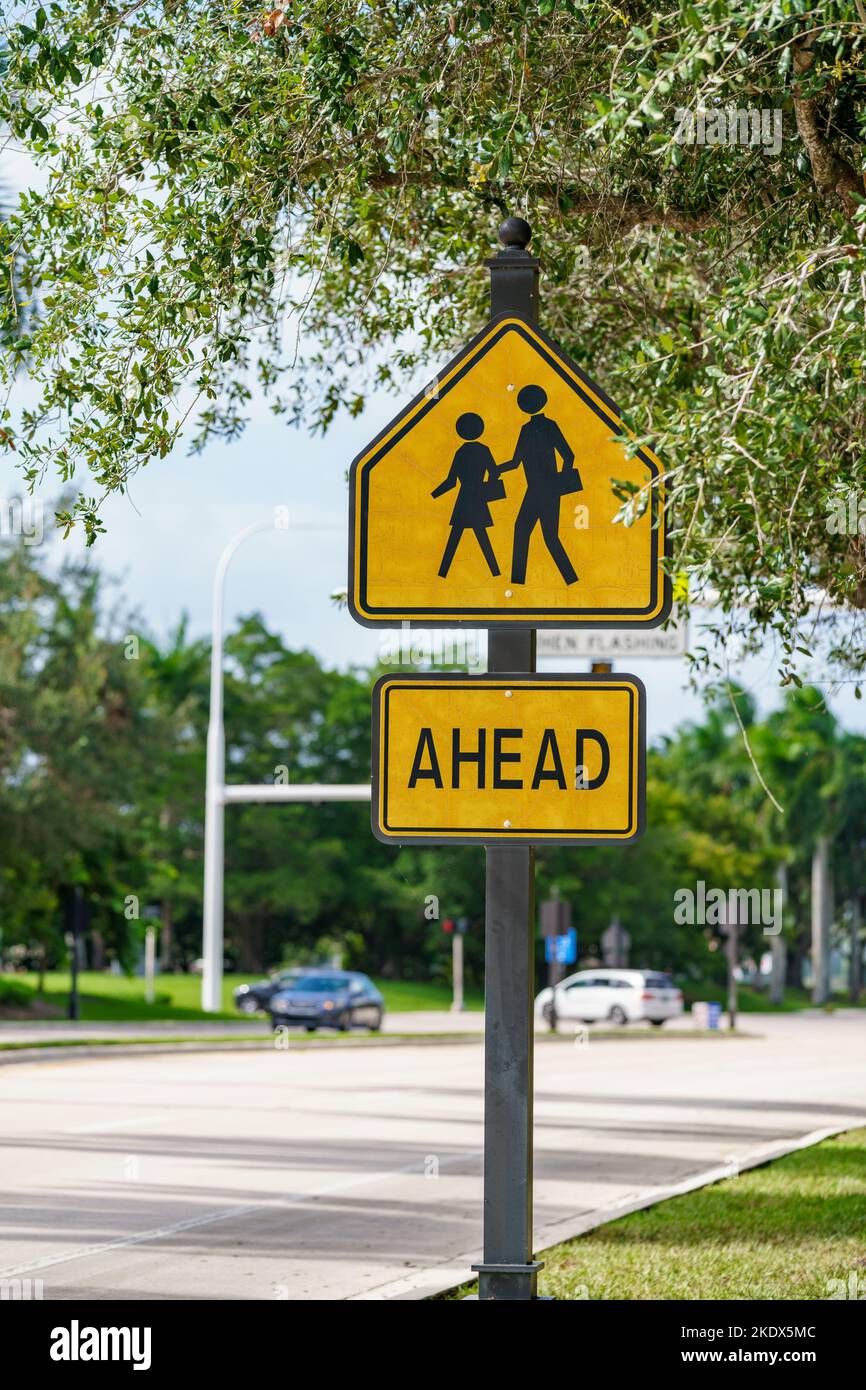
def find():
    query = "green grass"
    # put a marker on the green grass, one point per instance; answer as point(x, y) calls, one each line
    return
point(752, 1001)
point(402, 996)
point(116, 998)
point(124, 1041)
point(783, 1231)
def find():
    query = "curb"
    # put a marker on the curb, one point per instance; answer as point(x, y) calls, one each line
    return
point(426, 1284)
point(77, 1051)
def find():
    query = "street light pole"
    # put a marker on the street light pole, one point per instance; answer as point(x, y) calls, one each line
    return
point(214, 804)
point(218, 795)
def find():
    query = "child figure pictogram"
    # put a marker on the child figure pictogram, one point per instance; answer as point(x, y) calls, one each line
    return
point(475, 474)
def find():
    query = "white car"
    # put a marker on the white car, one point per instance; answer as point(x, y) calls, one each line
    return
point(612, 996)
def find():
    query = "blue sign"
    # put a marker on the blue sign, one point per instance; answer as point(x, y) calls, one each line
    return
point(561, 949)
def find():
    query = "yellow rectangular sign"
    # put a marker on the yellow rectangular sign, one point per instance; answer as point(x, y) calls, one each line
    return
point(517, 759)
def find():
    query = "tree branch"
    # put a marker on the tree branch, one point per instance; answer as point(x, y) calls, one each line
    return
point(574, 198)
point(834, 176)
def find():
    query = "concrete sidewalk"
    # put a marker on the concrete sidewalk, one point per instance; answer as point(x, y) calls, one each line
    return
point(356, 1173)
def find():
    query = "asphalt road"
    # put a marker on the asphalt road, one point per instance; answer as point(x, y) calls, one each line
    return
point(337, 1174)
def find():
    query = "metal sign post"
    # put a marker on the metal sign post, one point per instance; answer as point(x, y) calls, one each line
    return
point(458, 1002)
point(560, 948)
point(507, 1270)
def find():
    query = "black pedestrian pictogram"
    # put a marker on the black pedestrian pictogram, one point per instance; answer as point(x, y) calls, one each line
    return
point(539, 442)
point(474, 473)
point(478, 478)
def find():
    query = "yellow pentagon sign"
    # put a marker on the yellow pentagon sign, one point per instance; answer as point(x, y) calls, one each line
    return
point(509, 759)
point(488, 500)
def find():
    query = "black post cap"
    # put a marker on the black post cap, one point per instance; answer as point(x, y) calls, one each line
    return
point(515, 233)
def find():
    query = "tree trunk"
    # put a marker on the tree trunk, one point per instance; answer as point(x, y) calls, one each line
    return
point(779, 952)
point(249, 938)
point(166, 944)
point(166, 940)
point(797, 951)
point(778, 948)
point(97, 949)
point(855, 977)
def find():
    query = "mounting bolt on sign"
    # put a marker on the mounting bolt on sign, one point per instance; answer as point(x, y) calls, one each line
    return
point(488, 502)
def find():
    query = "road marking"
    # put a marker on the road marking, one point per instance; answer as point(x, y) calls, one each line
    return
point(192, 1223)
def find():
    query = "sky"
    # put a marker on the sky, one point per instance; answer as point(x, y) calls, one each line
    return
point(165, 538)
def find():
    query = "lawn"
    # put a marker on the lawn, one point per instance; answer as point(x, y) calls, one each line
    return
point(783, 1231)
point(752, 1001)
point(106, 998)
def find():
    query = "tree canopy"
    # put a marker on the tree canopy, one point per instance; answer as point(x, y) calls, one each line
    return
point(302, 197)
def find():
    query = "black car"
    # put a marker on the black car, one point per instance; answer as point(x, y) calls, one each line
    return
point(341, 999)
point(252, 999)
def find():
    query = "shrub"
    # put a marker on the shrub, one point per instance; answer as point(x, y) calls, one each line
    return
point(15, 993)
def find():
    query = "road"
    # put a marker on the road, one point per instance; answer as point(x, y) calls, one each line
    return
point(335, 1174)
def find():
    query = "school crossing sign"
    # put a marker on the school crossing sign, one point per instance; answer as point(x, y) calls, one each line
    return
point(489, 500)
point(515, 759)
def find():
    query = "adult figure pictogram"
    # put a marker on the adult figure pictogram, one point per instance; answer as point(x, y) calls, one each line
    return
point(474, 473)
point(539, 443)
